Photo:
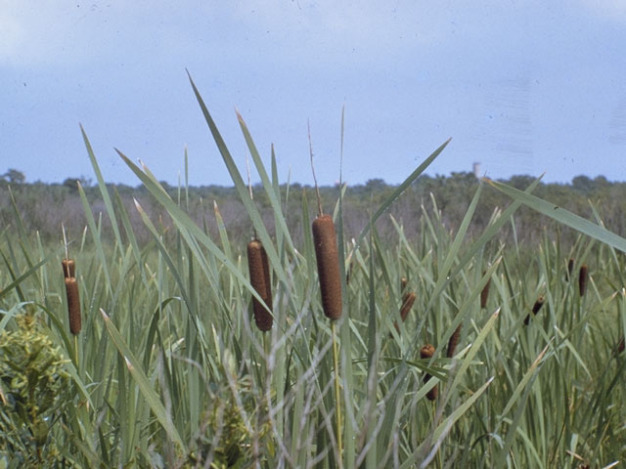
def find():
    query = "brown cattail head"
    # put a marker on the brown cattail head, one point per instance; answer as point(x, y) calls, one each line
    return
point(620, 345)
point(453, 342)
point(570, 269)
point(407, 303)
point(327, 256)
point(583, 274)
point(427, 351)
point(73, 304)
point(536, 307)
point(258, 267)
point(69, 268)
point(408, 299)
point(484, 294)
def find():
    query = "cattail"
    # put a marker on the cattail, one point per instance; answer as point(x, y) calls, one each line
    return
point(620, 345)
point(453, 342)
point(73, 304)
point(484, 294)
point(258, 267)
point(69, 268)
point(536, 307)
point(427, 351)
point(407, 303)
point(327, 256)
point(570, 269)
point(408, 299)
point(582, 279)
point(403, 284)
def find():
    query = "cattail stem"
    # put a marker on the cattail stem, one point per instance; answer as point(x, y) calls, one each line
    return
point(570, 269)
point(338, 415)
point(76, 351)
point(69, 268)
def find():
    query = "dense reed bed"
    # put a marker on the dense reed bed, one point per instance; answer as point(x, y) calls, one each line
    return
point(201, 353)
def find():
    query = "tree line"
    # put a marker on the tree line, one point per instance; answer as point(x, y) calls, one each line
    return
point(46, 208)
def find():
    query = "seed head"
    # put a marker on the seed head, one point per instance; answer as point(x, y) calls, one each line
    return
point(453, 342)
point(73, 304)
point(327, 255)
point(536, 307)
point(258, 267)
point(427, 351)
point(484, 294)
point(583, 275)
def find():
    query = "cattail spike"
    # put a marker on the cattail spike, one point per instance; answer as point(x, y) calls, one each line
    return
point(408, 299)
point(407, 303)
point(327, 256)
point(73, 304)
point(583, 275)
point(453, 342)
point(484, 294)
point(536, 307)
point(427, 351)
point(258, 267)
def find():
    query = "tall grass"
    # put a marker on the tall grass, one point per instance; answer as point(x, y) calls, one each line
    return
point(170, 370)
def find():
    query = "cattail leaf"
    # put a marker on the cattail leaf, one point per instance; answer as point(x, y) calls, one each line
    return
point(145, 386)
point(444, 428)
point(18, 280)
point(399, 190)
point(97, 239)
point(242, 189)
point(563, 216)
point(458, 239)
point(492, 230)
point(192, 233)
point(106, 198)
point(130, 233)
point(272, 191)
point(532, 371)
point(476, 345)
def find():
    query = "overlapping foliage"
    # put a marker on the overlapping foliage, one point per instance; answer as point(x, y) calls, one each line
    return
point(169, 369)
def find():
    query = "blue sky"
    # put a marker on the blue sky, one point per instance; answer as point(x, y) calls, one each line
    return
point(523, 87)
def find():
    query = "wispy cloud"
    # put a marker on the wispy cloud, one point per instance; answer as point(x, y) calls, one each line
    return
point(612, 10)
